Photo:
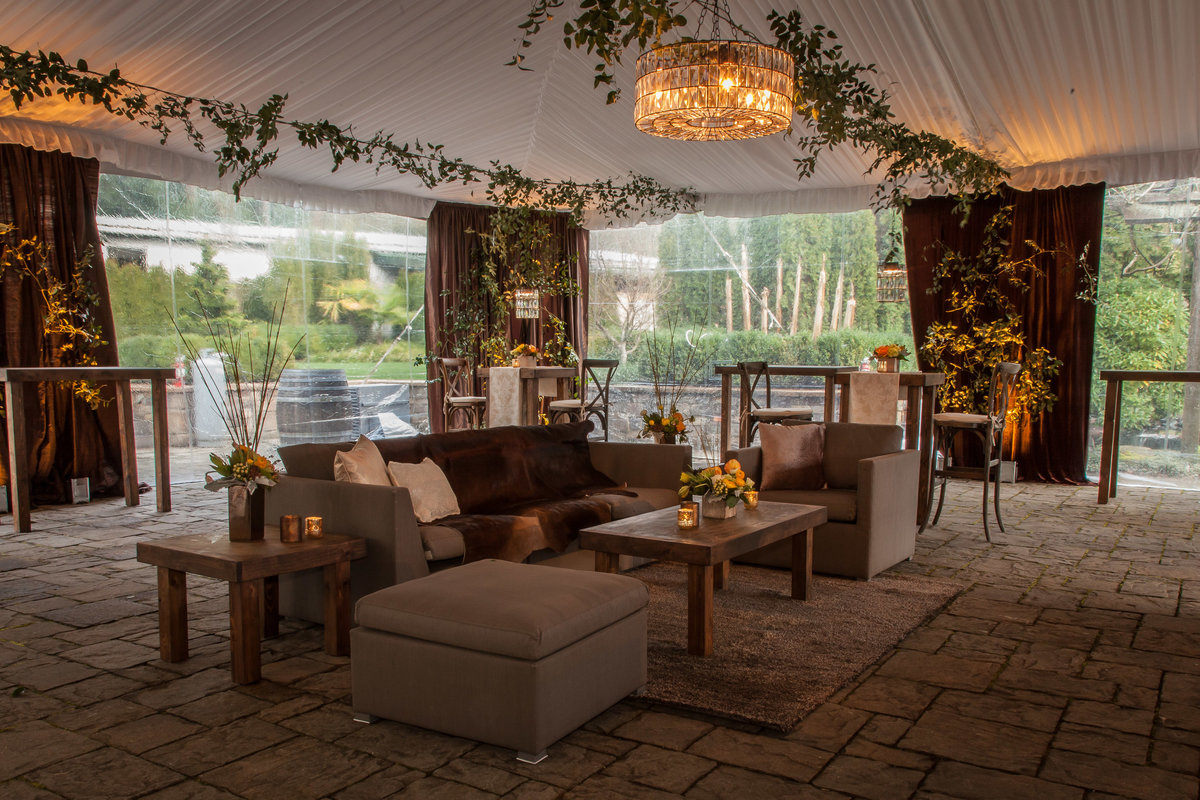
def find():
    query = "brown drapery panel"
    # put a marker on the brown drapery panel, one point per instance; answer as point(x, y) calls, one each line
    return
point(53, 196)
point(449, 250)
point(1054, 447)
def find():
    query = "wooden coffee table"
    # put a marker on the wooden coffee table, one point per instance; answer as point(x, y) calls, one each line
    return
point(707, 550)
point(252, 570)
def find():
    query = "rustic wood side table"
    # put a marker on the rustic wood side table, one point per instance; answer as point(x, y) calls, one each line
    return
point(252, 570)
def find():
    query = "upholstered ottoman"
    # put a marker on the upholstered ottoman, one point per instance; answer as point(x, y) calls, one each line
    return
point(516, 655)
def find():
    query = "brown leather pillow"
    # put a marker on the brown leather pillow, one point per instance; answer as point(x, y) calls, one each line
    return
point(792, 456)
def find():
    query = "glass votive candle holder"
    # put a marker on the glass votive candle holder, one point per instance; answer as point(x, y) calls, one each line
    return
point(289, 528)
point(751, 497)
point(688, 515)
point(314, 528)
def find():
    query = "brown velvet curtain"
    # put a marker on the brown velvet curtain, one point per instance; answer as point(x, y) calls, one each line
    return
point(53, 196)
point(1052, 448)
point(450, 249)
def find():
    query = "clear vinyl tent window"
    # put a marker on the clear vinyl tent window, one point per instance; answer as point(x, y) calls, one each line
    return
point(355, 295)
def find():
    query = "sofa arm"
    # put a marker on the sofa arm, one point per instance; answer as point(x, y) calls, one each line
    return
point(751, 460)
point(887, 492)
point(383, 515)
point(646, 466)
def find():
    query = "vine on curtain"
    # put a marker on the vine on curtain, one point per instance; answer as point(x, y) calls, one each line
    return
point(451, 247)
point(1066, 220)
point(53, 196)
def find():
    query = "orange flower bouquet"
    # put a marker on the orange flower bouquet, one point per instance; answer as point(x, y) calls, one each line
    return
point(897, 351)
point(727, 483)
point(670, 427)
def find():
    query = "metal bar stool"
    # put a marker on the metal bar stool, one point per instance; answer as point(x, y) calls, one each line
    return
point(989, 428)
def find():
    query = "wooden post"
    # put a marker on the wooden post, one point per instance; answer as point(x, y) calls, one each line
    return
point(244, 642)
point(835, 319)
point(766, 305)
point(162, 439)
point(819, 311)
point(337, 608)
point(796, 298)
point(729, 305)
point(744, 271)
point(18, 447)
point(779, 289)
point(126, 441)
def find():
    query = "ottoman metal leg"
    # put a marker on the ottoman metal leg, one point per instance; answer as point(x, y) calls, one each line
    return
point(530, 758)
point(365, 718)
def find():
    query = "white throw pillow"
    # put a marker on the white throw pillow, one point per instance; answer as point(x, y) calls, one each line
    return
point(432, 496)
point(362, 463)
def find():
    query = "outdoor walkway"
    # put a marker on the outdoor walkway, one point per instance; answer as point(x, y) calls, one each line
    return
point(1069, 669)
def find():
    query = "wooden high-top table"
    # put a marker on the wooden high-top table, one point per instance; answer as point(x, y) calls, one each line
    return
point(707, 550)
point(15, 379)
point(1109, 443)
point(252, 570)
point(729, 371)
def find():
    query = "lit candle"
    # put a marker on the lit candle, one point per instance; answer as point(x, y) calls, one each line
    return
point(751, 496)
point(289, 528)
point(313, 528)
point(687, 516)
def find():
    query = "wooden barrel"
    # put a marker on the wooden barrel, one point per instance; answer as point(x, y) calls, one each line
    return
point(316, 405)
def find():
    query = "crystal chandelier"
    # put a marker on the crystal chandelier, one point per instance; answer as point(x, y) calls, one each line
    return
point(527, 303)
point(714, 90)
point(891, 283)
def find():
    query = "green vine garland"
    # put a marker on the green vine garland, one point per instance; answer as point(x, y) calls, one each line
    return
point(832, 98)
point(249, 140)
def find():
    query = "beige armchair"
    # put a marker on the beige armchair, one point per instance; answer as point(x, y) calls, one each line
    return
point(871, 494)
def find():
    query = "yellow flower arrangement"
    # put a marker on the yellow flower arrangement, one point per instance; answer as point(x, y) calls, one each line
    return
point(897, 351)
point(522, 350)
point(672, 425)
point(244, 466)
point(728, 482)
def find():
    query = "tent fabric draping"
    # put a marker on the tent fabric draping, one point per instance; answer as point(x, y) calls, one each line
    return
point(53, 196)
point(1053, 447)
point(449, 262)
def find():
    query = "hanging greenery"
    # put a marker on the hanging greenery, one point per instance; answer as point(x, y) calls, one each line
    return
point(834, 101)
point(69, 323)
point(984, 291)
point(249, 140)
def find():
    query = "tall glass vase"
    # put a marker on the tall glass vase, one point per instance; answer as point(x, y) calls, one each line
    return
point(247, 512)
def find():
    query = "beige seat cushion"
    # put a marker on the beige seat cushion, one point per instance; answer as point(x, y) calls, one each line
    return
point(432, 496)
point(842, 503)
point(440, 542)
point(519, 610)
point(642, 501)
point(792, 456)
point(361, 464)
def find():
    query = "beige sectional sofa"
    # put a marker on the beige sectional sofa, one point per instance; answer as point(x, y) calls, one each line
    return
point(539, 484)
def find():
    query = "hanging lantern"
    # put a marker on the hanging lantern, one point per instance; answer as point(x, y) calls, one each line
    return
point(714, 90)
point(527, 303)
point(891, 283)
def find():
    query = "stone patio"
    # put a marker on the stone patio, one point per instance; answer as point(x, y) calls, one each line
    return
point(1069, 669)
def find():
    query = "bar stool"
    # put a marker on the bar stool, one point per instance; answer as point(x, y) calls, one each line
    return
point(989, 428)
point(456, 402)
point(576, 409)
point(753, 412)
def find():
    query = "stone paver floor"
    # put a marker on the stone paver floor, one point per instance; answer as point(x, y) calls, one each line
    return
point(1070, 668)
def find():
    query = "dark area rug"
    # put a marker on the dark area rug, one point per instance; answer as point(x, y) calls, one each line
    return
point(774, 658)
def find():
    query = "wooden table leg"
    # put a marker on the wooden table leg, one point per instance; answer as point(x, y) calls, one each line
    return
point(172, 614)
point(162, 440)
point(270, 607)
point(529, 399)
point(127, 442)
point(700, 610)
point(243, 631)
point(721, 575)
point(1108, 442)
point(18, 449)
point(608, 562)
point(802, 547)
point(830, 386)
point(337, 608)
point(924, 399)
point(726, 410)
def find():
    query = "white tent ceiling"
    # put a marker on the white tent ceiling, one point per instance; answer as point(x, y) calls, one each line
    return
point(1059, 91)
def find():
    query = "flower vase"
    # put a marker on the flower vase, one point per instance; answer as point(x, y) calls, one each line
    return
point(662, 437)
point(712, 507)
point(247, 512)
point(526, 361)
point(889, 365)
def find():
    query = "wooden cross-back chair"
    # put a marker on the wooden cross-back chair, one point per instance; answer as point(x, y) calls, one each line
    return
point(598, 372)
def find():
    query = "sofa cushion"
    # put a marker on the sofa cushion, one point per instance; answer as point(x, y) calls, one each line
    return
point(561, 459)
point(791, 456)
point(842, 503)
point(517, 610)
point(507, 537)
point(432, 497)
point(630, 501)
point(847, 443)
point(440, 542)
point(362, 463)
